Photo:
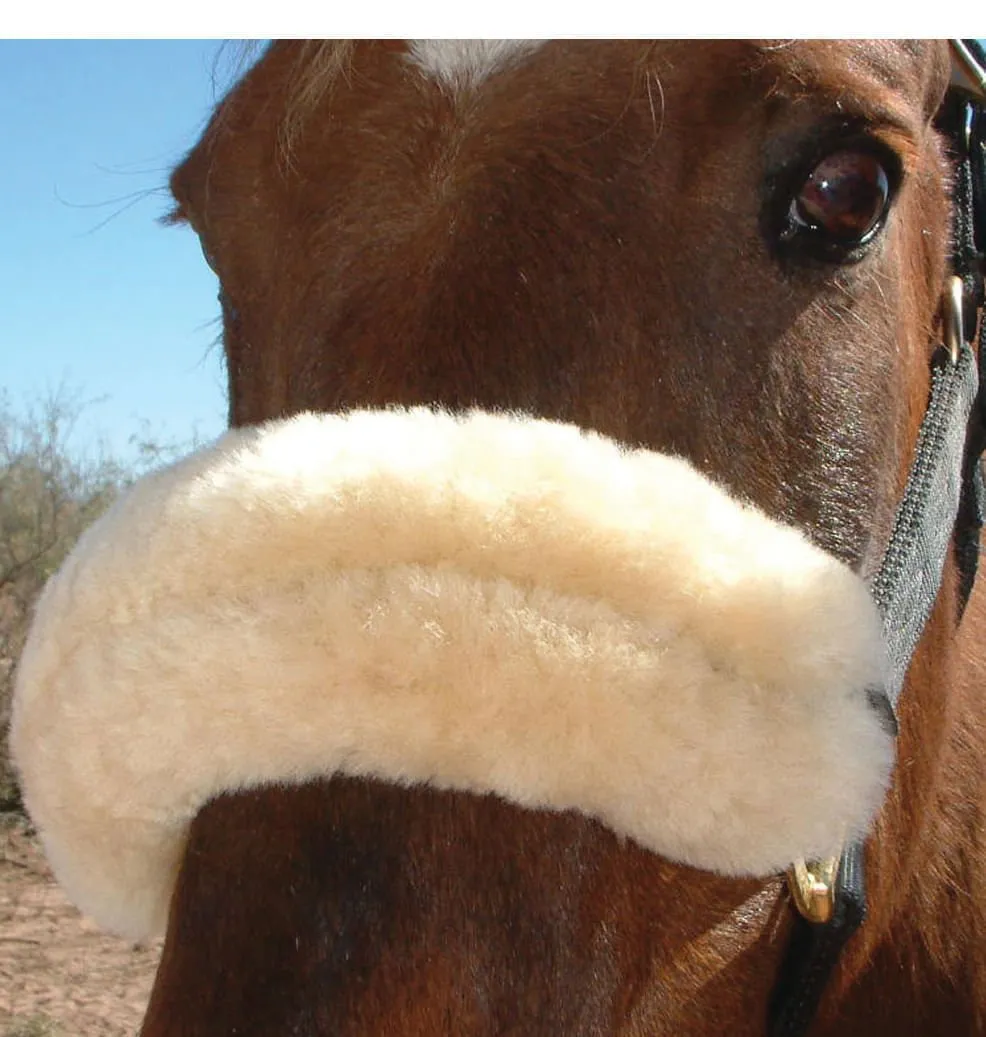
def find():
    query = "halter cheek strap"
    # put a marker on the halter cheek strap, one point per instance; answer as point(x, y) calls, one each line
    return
point(944, 503)
point(905, 590)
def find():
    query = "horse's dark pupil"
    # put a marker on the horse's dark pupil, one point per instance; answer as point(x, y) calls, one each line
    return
point(845, 196)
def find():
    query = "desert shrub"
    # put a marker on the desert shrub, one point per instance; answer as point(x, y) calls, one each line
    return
point(50, 490)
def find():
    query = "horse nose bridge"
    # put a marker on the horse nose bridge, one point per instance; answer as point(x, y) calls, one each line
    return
point(411, 911)
point(418, 911)
point(485, 306)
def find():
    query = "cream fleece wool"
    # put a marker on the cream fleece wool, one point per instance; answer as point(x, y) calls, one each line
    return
point(485, 602)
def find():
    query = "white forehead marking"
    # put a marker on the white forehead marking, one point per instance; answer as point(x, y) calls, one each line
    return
point(465, 63)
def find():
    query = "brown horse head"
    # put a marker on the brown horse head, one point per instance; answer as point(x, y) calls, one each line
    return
point(733, 252)
point(596, 232)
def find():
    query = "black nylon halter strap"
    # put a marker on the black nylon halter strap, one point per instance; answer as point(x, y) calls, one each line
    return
point(945, 497)
point(907, 583)
point(905, 589)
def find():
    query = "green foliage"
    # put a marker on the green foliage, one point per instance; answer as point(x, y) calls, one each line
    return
point(49, 493)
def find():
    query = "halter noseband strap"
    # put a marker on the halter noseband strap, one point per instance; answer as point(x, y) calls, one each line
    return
point(945, 496)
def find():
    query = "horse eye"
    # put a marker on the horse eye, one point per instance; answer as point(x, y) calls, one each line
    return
point(843, 202)
point(230, 313)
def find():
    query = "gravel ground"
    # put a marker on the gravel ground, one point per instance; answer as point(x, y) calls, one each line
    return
point(61, 976)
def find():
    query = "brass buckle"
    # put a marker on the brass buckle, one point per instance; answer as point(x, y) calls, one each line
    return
point(812, 885)
point(954, 331)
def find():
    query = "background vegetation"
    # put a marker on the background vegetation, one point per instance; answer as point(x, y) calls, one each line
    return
point(50, 490)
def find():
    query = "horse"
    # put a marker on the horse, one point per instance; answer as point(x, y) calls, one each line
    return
point(736, 255)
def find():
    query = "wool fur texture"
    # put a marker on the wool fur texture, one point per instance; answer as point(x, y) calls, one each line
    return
point(484, 602)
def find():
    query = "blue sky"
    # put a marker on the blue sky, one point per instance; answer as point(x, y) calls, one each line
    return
point(95, 293)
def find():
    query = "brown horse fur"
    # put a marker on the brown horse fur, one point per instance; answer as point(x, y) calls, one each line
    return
point(585, 234)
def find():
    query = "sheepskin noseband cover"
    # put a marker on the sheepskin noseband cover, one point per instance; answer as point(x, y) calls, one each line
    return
point(485, 602)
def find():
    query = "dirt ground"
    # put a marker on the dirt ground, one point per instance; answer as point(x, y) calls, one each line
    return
point(60, 976)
